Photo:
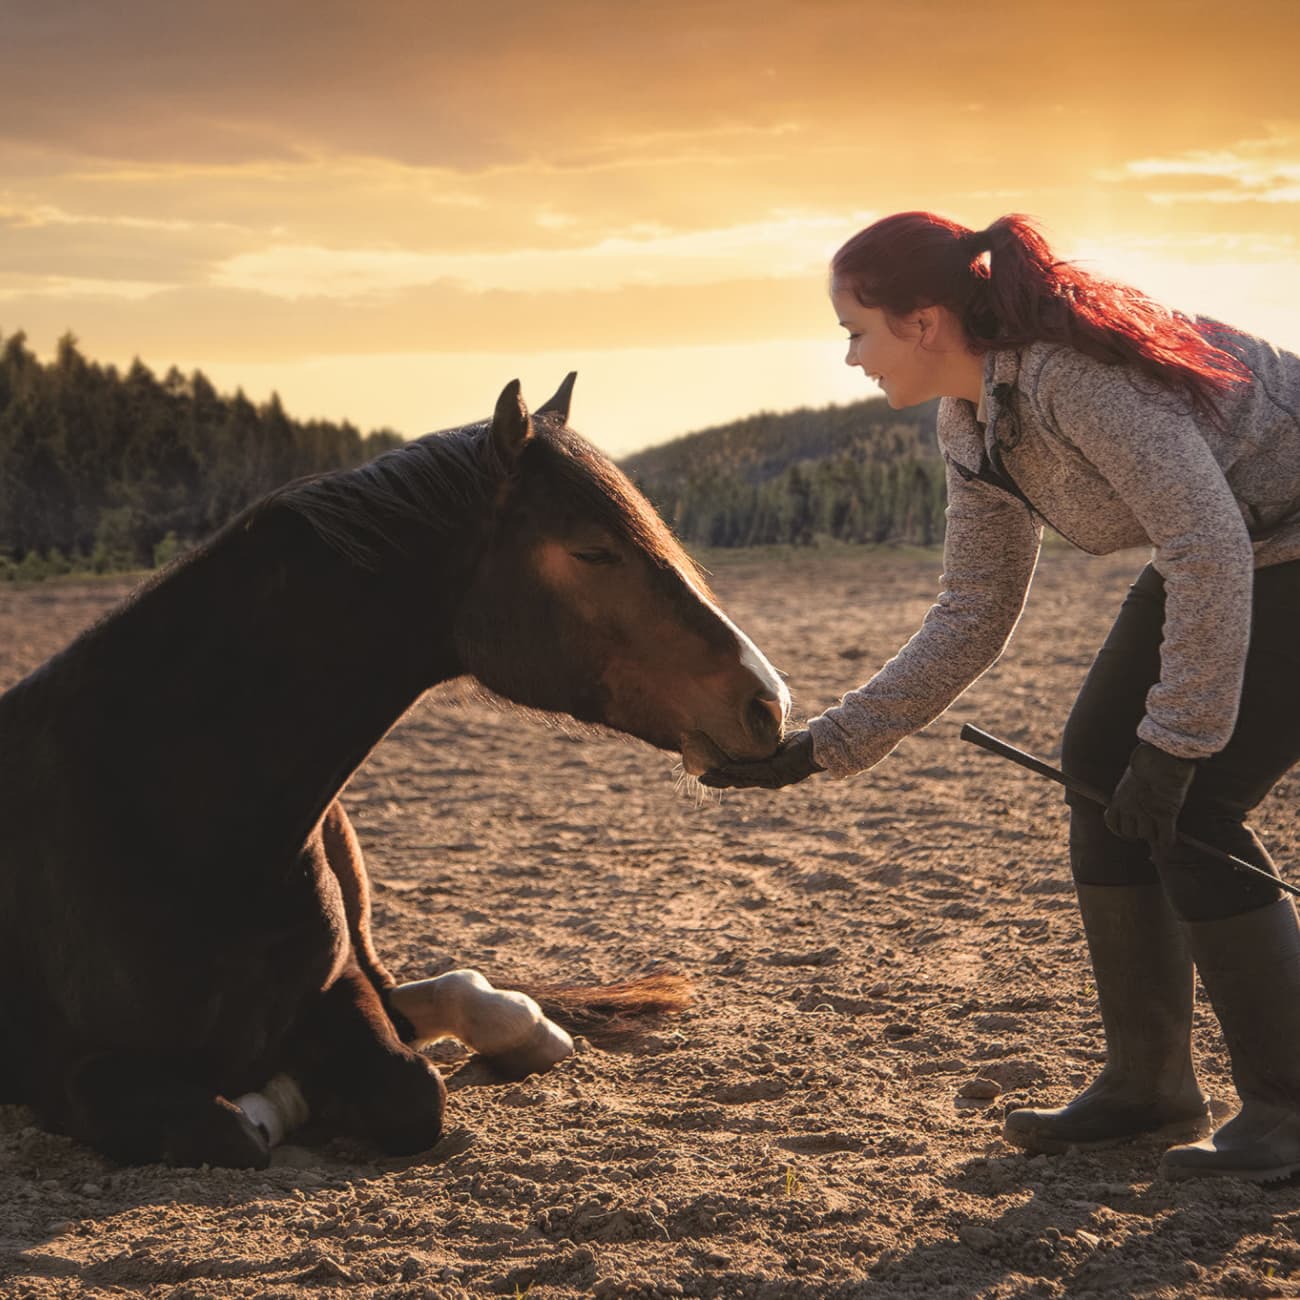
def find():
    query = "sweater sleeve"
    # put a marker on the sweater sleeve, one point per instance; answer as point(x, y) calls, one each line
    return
point(990, 550)
point(1147, 445)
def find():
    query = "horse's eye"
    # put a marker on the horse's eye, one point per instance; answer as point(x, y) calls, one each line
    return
point(596, 555)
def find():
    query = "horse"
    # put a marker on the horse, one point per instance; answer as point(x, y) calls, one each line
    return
point(186, 963)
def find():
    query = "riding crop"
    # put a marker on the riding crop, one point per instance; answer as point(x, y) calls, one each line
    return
point(1003, 750)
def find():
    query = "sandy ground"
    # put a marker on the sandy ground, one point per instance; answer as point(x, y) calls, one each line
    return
point(862, 951)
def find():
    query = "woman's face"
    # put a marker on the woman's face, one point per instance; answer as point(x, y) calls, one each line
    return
point(890, 351)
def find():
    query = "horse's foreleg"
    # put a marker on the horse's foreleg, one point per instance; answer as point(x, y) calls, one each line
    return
point(138, 1110)
point(506, 1028)
point(343, 854)
point(358, 1077)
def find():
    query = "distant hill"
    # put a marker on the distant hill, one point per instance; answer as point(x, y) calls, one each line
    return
point(760, 446)
point(101, 469)
point(861, 472)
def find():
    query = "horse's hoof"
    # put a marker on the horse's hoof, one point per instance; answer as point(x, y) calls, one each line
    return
point(505, 1028)
point(546, 1045)
point(278, 1109)
point(220, 1135)
point(404, 1115)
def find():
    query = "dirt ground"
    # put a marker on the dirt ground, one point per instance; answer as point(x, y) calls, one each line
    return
point(862, 952)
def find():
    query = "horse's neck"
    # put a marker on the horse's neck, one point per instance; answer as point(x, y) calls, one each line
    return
point(262, 675)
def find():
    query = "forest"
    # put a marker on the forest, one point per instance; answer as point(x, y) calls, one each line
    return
point(103, 470)
point(855, 473)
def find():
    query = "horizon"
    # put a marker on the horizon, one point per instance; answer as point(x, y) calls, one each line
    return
point(226, 394)
point(334, 209)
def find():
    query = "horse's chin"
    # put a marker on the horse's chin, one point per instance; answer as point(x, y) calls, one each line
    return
point(700, 754)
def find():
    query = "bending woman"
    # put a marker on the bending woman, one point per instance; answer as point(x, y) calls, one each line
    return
point(1079, 403)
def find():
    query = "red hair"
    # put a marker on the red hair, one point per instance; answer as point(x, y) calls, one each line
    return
point(1023, 293)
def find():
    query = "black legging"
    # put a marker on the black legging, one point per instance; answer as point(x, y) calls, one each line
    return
point(1102, 731)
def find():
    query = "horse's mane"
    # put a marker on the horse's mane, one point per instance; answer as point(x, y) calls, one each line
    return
point(438, 481)
point(433, 482)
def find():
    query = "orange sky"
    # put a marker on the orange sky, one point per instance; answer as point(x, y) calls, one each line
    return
point(385, 211)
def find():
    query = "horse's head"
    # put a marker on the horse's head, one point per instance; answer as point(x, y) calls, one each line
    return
point(583, 603)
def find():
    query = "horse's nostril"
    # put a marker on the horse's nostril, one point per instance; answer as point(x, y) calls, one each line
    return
point(766, 717)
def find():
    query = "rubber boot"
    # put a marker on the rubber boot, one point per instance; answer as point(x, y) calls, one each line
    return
point(1145, 986)
point(1250, 966)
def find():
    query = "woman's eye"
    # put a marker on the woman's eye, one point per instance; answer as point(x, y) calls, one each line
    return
point(596, 555)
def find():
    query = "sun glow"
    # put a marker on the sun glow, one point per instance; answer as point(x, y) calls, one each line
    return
point(316, 213)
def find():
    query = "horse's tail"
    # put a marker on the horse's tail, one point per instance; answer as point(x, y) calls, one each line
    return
point(610, 1013)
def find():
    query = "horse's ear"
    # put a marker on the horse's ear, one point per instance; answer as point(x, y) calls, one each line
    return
point(559, 404)
point(511, 424)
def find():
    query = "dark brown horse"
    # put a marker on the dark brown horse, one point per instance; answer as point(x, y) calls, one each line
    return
point(183, 910)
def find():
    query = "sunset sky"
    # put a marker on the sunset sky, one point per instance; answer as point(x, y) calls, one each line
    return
point(387, 210)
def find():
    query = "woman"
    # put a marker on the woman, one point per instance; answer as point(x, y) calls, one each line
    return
point(1080, 403)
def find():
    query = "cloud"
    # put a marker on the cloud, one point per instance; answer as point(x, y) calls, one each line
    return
point(43, 242)
point(1256, 171)
point(34, 295)
point(794, 245)
point(373, 203)
point(464, 86)
point(470, 87)
point(231, 324)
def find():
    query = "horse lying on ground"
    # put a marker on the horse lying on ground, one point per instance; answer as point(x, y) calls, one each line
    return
point(184, 913)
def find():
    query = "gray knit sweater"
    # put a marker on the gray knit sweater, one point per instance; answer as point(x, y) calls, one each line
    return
point(1109, 460)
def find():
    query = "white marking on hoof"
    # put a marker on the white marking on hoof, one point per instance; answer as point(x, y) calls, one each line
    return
point(506, 1027)
point(278, 1109)
point(547, 1044)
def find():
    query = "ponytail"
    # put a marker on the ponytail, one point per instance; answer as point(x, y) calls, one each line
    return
point(1008, 289)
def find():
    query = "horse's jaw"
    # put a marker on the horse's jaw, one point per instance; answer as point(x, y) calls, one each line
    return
point(700, 754)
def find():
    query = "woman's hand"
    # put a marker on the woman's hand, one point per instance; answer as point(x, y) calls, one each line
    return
point(1149, 797)
point(792, 762)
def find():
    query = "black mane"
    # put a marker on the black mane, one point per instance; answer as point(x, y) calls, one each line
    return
point(436, 482)
point(433, 482)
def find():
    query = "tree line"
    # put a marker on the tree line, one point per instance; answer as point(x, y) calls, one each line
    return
point(845, 499)
point(856, 473)
point(105, 470)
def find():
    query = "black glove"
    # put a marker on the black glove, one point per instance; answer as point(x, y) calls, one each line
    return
point(792, 762)
point(1149, 797)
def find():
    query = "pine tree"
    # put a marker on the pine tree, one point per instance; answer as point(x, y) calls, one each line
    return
point(110, 469)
